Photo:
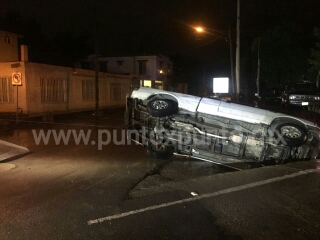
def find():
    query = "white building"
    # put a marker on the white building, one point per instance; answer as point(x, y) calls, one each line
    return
point(37, 89)
point(149, 71)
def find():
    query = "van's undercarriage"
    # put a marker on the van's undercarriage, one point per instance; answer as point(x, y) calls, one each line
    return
point(212, 138)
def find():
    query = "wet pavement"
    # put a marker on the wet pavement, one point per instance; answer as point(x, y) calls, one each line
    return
point(275, 202)
point(75, 191)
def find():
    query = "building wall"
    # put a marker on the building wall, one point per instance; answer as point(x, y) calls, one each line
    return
point(154, 70)
point(8, 47)
point(130, 65)
point(37, 94)
point(34, 72)
point(105, 82)
point(114, 66)
point(150, 66)
point(164, 72)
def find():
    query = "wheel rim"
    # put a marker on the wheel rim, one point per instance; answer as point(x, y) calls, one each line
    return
point(160, 148)
point(159, 104)
point(291, 132)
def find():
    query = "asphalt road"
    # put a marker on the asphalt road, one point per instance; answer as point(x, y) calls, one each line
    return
point(96, 190)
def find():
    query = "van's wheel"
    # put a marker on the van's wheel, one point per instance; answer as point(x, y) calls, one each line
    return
point(291, 135)
point(162, 107)
point(158, 150)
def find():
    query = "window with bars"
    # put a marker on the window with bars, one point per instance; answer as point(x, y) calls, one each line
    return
point(115, 91)
point(88, 91)
point(6, 90)
point(53, 90)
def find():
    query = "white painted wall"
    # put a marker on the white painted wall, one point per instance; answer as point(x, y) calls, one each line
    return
point(30, 91)
point(130, 65)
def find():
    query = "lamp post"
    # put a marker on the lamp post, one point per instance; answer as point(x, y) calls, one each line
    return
point(228, 35)
point(238, 52)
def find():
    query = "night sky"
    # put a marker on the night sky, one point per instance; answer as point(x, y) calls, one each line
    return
point(124, 25)
point(168, 21)
point(127, 27)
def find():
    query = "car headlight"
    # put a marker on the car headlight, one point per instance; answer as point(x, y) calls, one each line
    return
point(292, 97)
point(317, 98)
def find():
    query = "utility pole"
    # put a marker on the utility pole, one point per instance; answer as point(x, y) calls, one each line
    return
point(238, 52)
point(258, 70)
point(96, 69)
point(234, 84)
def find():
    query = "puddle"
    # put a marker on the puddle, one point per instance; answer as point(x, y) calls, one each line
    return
point(6, 167)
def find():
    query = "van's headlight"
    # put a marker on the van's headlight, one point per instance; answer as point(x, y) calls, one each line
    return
point(292, 97)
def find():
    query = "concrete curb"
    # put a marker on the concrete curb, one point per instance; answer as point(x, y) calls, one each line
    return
point(10, 150)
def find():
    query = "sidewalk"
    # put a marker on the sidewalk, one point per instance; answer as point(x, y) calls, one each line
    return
point(9, 150)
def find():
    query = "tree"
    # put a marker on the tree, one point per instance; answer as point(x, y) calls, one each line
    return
point(315, 52)
point(284, 54)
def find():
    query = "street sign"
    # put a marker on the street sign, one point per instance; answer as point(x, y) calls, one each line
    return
point(16, 78)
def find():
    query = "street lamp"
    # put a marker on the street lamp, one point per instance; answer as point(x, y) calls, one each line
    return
point(199, 29)
point(228, 35)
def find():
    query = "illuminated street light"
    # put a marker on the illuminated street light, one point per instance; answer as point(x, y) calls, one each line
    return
point(215, 32)
point(199, 29)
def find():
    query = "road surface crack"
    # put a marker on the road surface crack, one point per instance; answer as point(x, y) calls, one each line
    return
point(154, 171)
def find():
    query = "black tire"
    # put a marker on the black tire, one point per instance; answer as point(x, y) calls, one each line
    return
point(162, 107)
point(158, 151)
point(291, 135)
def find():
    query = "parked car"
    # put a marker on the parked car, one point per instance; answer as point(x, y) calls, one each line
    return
point(304, 94)
point(215, 129)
